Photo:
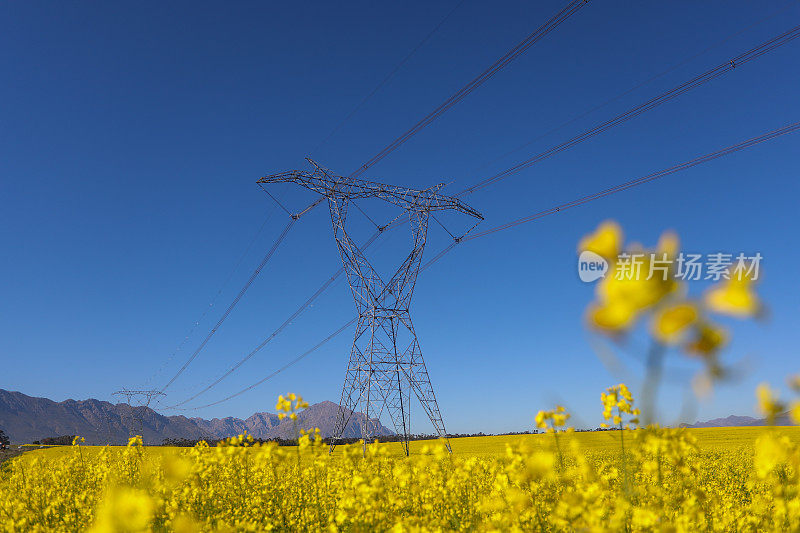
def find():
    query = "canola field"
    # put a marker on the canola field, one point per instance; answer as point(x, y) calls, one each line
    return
point(731, 479)
point(631, 479)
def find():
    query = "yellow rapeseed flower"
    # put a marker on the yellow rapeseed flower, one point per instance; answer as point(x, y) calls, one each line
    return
point(708, 339)
point(606, 241)
point(124, 510)
point(612, 317)
point(733, 297)
point(671, 323)
point(768, 403)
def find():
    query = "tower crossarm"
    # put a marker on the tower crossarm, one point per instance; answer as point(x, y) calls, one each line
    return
point(330, 186)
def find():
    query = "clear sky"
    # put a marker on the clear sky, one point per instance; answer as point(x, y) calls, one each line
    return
point(131, 138)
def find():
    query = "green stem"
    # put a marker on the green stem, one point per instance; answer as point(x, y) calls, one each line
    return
point(655, 364)
point(558, 448)
point(624, 458)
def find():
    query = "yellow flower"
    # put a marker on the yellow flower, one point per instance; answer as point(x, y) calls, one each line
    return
point(708, 339)
point(670, 323)
point(636, 290)
point(618, 397)
point(540, 419)
point(125, 510)
point(176, 469)
point(733, 297)
point(768, 404)
point(612, 317)
point(606, 241)
point(795, 412)
point(557, 417)
point(540, 465)
point(771, 451)
point(668, 244)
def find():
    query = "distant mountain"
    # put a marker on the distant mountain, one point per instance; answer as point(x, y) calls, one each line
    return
point(736, 421)
point(26, 419)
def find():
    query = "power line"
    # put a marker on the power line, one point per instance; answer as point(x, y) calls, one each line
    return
point(639, 181)
point(708, 75)
point(661, 74)
point(213, 301)
point(541, 214)
point(387, 78)
point(281, 369)
point(476, 82)
point(705, 77)
point(275, 333)
point(305, 305)
point(235, 301)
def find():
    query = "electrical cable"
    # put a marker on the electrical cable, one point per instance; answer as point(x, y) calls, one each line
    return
point(213, 301)
point(281, 369)
point(541, 214)
point(387, 78)
point(705, 77)
point(476, 82)
point(708, 75)
point(275, 333)
point(235, 301)
point(649, 80)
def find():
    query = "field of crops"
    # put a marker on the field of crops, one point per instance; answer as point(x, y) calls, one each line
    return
point(712, 479)
point(628, 479)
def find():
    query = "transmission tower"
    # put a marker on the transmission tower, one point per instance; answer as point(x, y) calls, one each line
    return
point(386, 362)
point(143, 399)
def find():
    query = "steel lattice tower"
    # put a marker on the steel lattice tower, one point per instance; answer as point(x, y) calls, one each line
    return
point(145, 397)
point(386, 362)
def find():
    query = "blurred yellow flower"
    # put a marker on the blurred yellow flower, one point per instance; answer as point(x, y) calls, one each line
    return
point(669, 244)
point(770, 451)
point(615, 316)
point(734, 298)
point(606, 241)
point(708, 339)
point(124, 510)
point(636, 290)
point(670, 323)
point(795, 413)
point(176, 469)
point(768, 403)
point(557, 417)
point(638, 282)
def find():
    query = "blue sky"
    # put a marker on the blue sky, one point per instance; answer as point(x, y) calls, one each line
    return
point(131, 141)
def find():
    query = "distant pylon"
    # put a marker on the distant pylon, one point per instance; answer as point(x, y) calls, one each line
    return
point(386, 362)
point(144, 398)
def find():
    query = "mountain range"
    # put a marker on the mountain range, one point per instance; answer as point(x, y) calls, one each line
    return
point(738, 421)
point(26, 419)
